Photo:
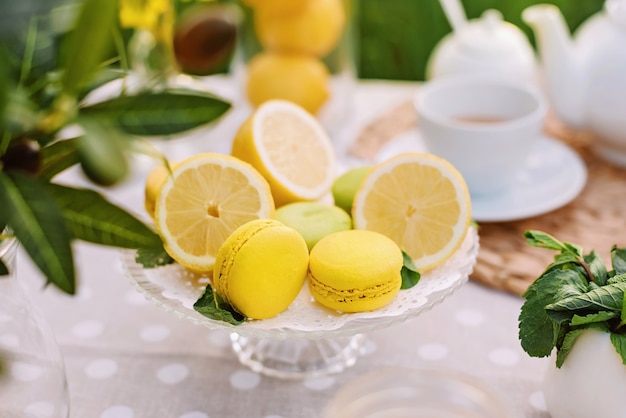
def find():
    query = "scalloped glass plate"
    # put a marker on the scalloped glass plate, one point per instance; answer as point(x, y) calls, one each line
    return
point(176, 289)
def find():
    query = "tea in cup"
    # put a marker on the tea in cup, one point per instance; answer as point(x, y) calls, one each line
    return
point(485, 126)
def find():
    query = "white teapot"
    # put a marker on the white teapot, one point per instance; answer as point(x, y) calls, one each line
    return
point(585, 76)
point(484, 45)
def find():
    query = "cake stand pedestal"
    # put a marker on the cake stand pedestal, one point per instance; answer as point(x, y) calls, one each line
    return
point(300, 357)
point(307, 339)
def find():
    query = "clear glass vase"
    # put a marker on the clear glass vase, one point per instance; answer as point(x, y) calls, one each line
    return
point(32, 372)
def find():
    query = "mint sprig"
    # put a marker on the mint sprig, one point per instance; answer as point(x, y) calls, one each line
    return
point(576, 292)
point(409, 273)
point(211, 305)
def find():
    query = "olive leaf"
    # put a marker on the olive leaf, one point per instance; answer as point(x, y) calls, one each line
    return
point(102, 151)
point(38, 224)
point(90, 217)
point(159, 113)
point(88, 43)
point(57, 157)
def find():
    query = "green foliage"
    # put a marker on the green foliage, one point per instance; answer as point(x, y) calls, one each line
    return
point(576, 292)
point(213, 307)
point(50, 62)
point(396, 37)
point(409, 273)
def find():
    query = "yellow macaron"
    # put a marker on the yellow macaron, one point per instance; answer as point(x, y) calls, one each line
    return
point(355, 271)
point(260, 268)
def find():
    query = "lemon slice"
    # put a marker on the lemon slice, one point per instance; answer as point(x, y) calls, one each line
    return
point(204, 200)
point(418, 200)
point(289, 147)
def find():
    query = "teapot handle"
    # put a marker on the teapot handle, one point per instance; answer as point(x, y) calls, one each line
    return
point(455, 13)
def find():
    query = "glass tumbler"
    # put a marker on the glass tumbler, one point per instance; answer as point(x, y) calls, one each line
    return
point(299, 50)
point(32, 373)
point(396, 392)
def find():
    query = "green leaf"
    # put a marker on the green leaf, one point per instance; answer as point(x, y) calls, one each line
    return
point(620, 278)
point(601, 316)
point(90, 217)
point(538, 333)
point(597, 267)
point(89, 43)
point(409, 273)
point(101, 78)
point(619, 342)
point(212, 306)
point(153, 257)
point(160, 113)
point(102, 152)
point(618, 259)
point(566, 347)
point(37, 222)
point(565, 261)
point(4, 270)
point(57, 157)
point(605, 298)
point(541, 239)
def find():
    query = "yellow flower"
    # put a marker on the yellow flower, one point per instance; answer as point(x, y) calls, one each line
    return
point(144, 14)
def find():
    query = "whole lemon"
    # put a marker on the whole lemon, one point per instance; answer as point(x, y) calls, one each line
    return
point(300, 79)
point(314, 29)
point(155, 179)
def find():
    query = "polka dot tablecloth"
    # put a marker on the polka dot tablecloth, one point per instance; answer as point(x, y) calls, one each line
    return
point(127, 358)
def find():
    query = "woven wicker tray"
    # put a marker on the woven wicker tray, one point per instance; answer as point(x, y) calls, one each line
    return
point(596, 219)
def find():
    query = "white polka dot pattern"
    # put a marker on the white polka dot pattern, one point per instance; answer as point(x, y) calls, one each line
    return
point(244, 380)
point(172, 374)
point(118, 411)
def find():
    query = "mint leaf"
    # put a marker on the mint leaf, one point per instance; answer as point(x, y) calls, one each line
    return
point(619, 342)
point(618, 259)
point(597, 268)
point(593, 318)
point(541, 239)
point(214, 307)
point(409, 273)
point(605, 298)
point(568, 344)
point(538, 332)
point(153, 257)
point(620, 278)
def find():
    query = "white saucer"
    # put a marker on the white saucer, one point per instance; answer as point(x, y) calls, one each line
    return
point(554, 175)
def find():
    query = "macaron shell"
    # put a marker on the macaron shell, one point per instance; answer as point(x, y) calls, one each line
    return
point(355, 271)
point(356, 299)
point(262, 268)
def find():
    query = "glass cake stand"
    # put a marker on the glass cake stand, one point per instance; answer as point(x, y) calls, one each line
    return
point(307, 339)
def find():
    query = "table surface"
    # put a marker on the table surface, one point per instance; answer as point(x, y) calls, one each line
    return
point(127, 358)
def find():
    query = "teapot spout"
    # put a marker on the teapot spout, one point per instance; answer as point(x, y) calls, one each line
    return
point(561, 67)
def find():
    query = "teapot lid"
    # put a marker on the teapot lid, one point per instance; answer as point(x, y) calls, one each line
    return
point(616, 9)
point(490, 36)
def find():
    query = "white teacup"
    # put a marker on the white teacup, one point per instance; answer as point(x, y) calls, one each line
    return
point(484, 126)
